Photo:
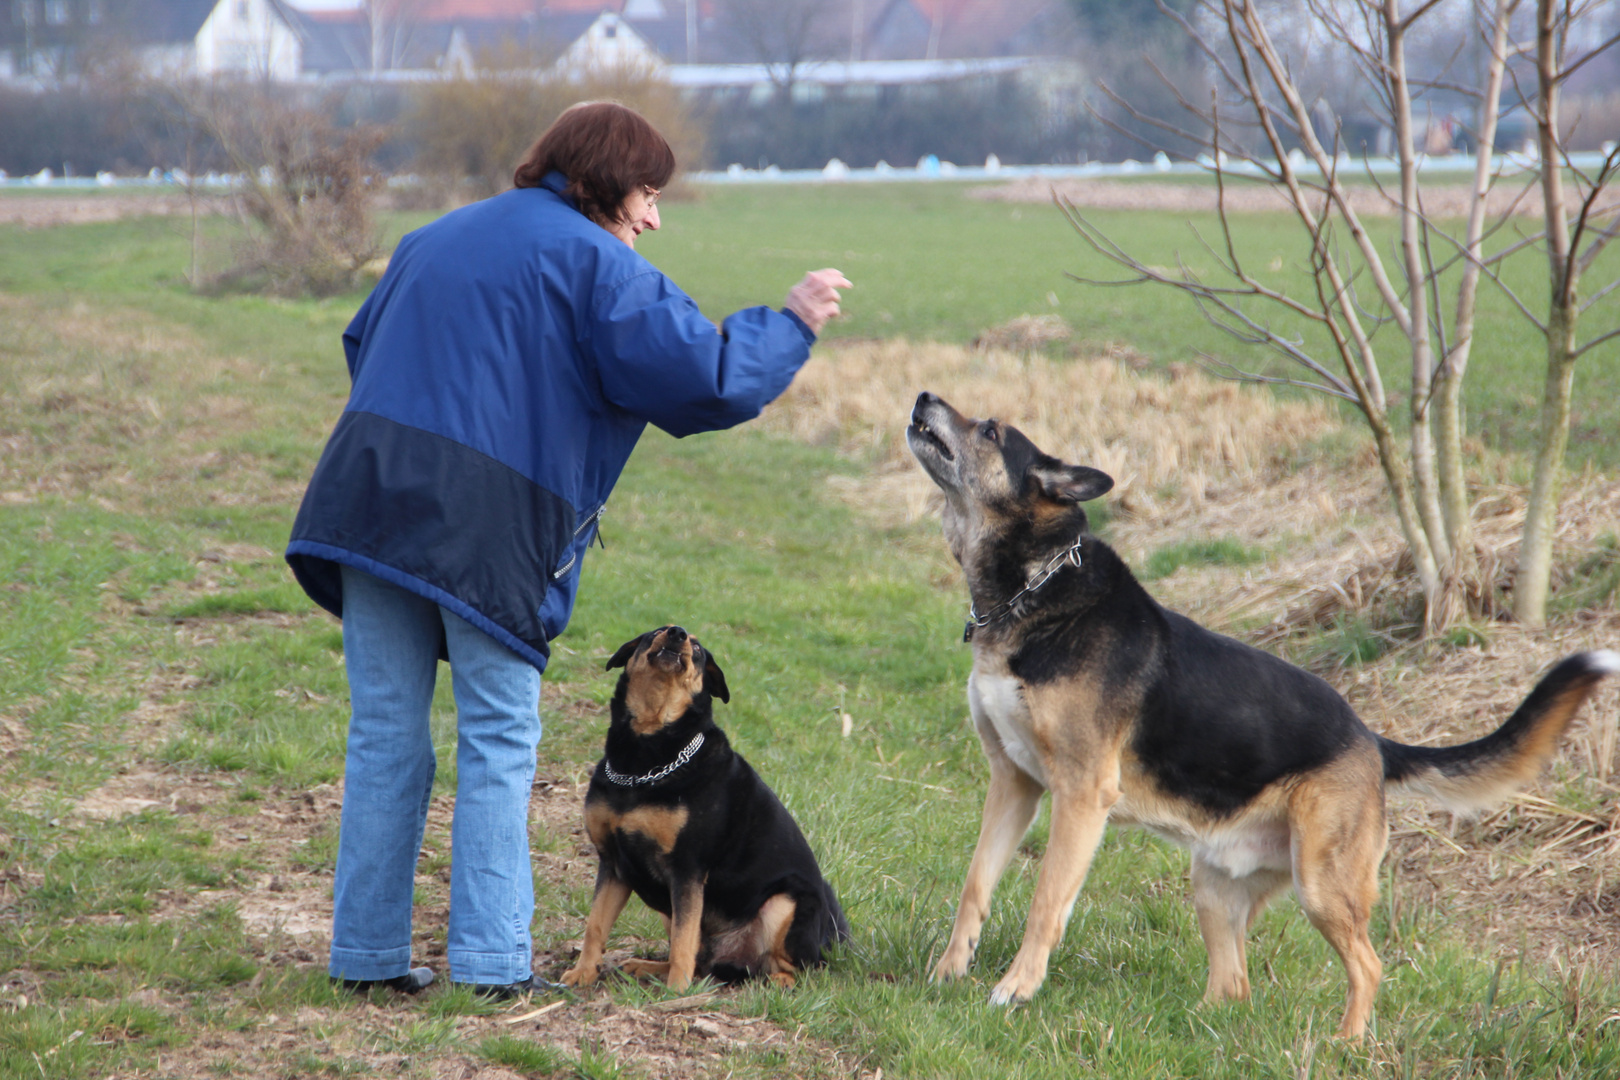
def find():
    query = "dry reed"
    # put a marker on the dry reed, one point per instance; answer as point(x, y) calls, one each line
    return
point(1167, 441)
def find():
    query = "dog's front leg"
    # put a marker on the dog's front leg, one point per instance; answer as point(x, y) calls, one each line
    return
point(685, 932)
point(611, 896)
point(1009, 807)
point(1080, 808)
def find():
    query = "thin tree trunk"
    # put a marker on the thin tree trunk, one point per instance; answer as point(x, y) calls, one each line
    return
point(1442, 608)
point(1448, 416)
point(1532, 579)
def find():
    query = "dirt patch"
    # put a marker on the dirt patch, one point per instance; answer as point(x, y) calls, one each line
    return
point(145, 788)
point(1245, 197)
point(690, 1040)
point(39, 211)
point(287, 911)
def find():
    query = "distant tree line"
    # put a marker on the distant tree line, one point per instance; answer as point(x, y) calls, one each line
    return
point(479, 125)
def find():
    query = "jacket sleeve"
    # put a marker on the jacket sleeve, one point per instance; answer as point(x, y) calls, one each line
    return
point(356, 333)
point(661, 360)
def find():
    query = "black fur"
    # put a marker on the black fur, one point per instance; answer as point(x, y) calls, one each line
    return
point(738, 839)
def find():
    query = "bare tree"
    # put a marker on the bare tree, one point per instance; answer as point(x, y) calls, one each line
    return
point(1573, 239)
point(1258, 125)
point(390, 25)
point(783, 34)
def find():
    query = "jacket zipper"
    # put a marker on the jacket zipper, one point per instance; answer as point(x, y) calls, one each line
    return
point(572, 556)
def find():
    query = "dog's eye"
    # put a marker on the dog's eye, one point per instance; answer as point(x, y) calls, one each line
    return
point(990, 432)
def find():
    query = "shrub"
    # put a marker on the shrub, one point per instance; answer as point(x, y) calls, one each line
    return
point(306, 191)
point(474, 128)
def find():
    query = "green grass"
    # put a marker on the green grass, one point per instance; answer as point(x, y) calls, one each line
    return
point(1217, 551)
point(928, 263)
point(118, 595)
point(528, 1058)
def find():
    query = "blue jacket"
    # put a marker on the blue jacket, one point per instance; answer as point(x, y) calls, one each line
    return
point(503, 369)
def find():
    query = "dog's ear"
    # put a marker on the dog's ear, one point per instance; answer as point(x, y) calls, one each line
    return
point(1071, 483)
point(714, 680)
point(626, 651)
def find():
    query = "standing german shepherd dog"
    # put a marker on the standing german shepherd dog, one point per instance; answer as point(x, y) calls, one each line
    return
point(1083, 686)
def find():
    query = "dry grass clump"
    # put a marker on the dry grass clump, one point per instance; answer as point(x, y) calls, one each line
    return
point(121, 408)
point(1026, 333)
point(1167, 441)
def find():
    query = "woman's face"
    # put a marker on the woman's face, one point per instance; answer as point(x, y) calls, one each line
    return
point(640, 211)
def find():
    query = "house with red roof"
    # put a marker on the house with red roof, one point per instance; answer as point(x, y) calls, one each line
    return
point(43, 39)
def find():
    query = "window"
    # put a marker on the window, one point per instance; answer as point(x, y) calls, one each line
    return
point(24, 13)
point(95, 11)
point(56, 12)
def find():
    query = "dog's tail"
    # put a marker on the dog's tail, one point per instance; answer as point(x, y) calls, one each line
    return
point(1479, 774)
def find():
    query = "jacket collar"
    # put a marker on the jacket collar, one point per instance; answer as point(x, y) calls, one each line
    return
point(556, 183)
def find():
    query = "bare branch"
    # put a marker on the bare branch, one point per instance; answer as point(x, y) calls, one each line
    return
point(1422, 9)
point(1600, 339)
point(1564, 75)
point(1600, 294)
point(1224, 369)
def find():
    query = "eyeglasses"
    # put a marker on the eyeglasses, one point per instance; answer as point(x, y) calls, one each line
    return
point(652, 194)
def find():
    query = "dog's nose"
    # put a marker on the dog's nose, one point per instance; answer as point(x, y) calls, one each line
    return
point(674, 636)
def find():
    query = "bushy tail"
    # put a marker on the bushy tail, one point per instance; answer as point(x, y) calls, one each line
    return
point(1477, 775)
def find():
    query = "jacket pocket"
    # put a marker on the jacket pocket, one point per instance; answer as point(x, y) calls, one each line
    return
point(574, 546)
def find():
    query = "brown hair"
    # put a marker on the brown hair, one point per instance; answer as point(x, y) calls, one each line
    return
point(606, 151)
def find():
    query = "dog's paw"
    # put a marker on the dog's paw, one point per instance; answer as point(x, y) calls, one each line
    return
point(645, 969)
point(954, 964)
point(1018, 985)
point(1008, 995)
point(578, 976)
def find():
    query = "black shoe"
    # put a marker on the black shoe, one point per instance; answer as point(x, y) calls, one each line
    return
point(534, 984)
point(413, 981)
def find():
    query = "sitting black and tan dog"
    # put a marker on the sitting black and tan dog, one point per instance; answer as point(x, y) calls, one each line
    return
point(1130, 714)
point(681, 820)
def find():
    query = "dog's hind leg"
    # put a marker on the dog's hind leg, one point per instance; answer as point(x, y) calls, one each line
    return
point(1009, 807)
point(1080, 806)
point(775, 919)
point(1339, 840)
point(1227, 907)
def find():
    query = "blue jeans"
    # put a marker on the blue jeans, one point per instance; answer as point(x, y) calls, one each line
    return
point(391, 648)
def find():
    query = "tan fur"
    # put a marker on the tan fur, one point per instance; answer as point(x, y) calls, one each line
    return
point(1072, 734)
point(775, 920)
point(685, 934)
point(658, 694)
point(661, 825)
point(1324, 832)
point(611, 896)
point(1486, 787)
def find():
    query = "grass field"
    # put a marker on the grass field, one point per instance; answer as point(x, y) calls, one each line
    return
point(172, 712)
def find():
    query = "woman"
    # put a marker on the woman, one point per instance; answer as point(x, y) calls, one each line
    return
point(503, 369)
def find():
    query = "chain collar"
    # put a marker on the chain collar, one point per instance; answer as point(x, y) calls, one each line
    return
point(1070, 556)
point(653, 777)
